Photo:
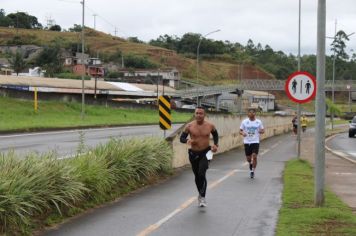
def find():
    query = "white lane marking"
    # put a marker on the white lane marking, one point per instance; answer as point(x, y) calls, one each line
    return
point(264, 152)
point(183, 206)
point(352, 154)
point(344, 173)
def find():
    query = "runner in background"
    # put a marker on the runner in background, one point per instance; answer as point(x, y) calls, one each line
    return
point(250, 129)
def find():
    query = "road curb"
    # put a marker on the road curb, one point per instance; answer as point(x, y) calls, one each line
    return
point(336, 153)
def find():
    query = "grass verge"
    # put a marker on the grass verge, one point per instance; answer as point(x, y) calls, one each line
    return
point(18, 114)
point(299, 216)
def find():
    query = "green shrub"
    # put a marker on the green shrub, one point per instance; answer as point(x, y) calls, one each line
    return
point(135, 61)
point(68, 75)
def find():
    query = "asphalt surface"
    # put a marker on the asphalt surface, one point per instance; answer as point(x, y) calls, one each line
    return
point(237, 205)
point(340, 171)
point(66, 142)
point(341, 144)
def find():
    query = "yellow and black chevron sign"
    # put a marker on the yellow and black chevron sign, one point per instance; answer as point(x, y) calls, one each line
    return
point(165, 119)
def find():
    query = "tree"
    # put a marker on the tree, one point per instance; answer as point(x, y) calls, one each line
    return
point(189, 43)
point(50, 59)
point(166, 41)
point(332, 108)
point(339, 45)
point(76, 28)
point(55, 28)
point(17, 62)
point(134, 40)
point(24, 20)
point(4, 20)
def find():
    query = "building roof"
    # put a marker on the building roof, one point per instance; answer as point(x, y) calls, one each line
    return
point(77, 84)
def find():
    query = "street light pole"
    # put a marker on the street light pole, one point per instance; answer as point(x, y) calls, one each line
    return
point(83, 64)
point(319, 150)
point(333, 83)
point(201, 38)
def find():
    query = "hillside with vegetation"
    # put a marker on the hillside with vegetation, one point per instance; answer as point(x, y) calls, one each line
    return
point(221, 62)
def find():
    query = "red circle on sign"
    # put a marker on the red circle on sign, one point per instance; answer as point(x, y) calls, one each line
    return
point(292, 76)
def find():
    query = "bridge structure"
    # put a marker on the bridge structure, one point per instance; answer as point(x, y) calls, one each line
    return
point(258, 85)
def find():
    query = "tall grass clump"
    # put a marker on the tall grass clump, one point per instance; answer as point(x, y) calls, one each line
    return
point(34, 187)
point(130, 161)
point(37, 187)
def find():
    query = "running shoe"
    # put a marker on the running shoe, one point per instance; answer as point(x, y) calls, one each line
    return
point(202, 202)
point(252, 174)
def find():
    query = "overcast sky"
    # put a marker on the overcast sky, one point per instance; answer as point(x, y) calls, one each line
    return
point(272, 22)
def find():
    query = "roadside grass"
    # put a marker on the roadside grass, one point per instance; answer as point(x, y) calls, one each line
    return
point(36, 191)
point(299, 216)
point(16, 114)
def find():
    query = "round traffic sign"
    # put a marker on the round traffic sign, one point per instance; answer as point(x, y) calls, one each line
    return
point(301, 87)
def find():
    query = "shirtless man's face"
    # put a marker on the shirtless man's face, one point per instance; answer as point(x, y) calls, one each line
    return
point(199, 114)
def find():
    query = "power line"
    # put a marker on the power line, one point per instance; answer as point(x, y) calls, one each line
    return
point(106, 20)
point(69, 1)
point(116, 29)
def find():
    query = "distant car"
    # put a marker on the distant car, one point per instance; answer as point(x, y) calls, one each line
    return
point(280, 113)
point(352, 129)
point(188, 107)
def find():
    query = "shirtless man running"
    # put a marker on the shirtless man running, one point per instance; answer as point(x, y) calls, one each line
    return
point(199, 131)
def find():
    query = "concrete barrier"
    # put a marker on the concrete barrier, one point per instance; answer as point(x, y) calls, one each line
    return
point(228, 128)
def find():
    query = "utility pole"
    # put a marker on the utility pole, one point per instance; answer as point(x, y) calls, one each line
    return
point(200, 40)
point(94, 21)
point(298, 106)
point(83, 64)
point(319, 155)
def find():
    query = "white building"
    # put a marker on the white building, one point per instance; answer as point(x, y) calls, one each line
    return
point(262, 99)
point(171, 76)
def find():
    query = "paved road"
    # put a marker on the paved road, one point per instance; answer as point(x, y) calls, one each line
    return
point(237, 205)
point(66, 142)
point(343, 145)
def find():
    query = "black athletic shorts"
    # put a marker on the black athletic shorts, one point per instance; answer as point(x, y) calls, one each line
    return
point(251, 148)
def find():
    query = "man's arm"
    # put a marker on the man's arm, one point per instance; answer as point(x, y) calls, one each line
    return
point(215, 134)
point(241, 132)
point(262, 129)
point(184, 135)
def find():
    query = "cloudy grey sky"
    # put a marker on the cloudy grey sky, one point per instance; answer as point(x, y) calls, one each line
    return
point(272, 22)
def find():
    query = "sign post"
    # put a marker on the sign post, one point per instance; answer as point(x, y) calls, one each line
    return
point(300, 88)
point(164, 107)
point(349, 88)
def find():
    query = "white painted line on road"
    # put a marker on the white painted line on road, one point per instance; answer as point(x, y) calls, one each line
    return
point(344, 173)
point(276, 144)
point(183, 206)
point(352, 153)
point(215, 183)
point(264, 152)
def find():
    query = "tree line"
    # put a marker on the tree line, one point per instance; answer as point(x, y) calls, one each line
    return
point(23, 20)
point(274, 62)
